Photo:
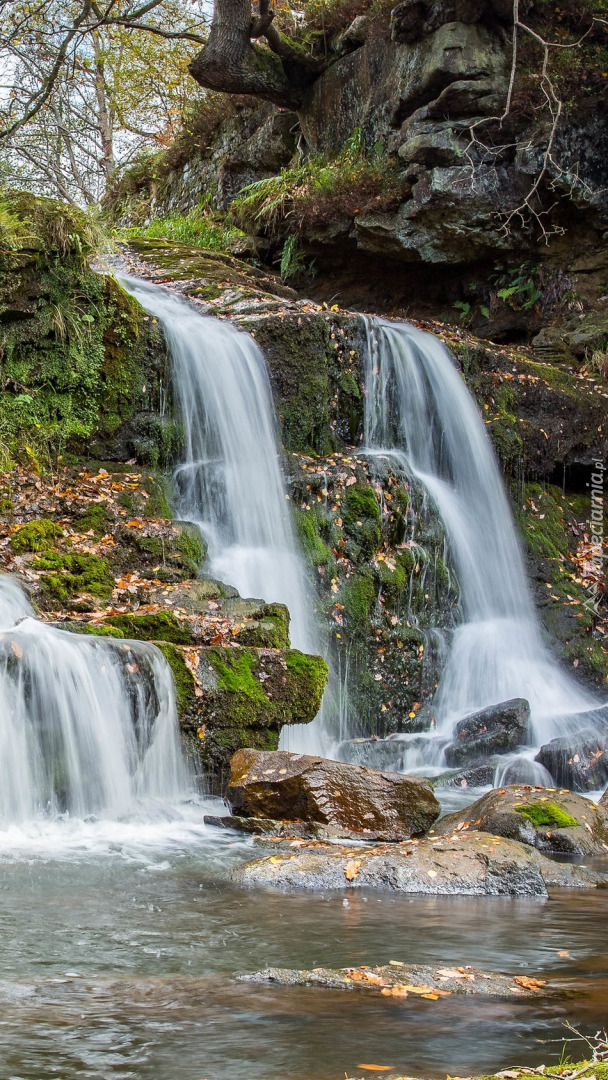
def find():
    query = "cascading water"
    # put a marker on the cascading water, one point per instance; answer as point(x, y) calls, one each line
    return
point(87, 725)
point(420, 417)
point(230, 482)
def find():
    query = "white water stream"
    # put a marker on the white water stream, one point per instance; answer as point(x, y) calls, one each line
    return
point(421, 418)
point(87, 725)
point(230, 483)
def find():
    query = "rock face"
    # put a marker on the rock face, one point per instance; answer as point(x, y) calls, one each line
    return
point(495, 730)
point(350, 800)
point(549, 820)
point(580, 762)
point(473, 865)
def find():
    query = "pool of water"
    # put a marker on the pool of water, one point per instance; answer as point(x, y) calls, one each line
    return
point(120, 946)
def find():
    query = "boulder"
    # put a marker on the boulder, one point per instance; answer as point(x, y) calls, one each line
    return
point(348, 800)
point(495, 730)
point(474, 865)
point(579, 762)
point(547, 819)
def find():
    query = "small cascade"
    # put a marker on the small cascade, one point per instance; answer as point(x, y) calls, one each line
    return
point(87, 725)
point(421, 419)
point(230, 481)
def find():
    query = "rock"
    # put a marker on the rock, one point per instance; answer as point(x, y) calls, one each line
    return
point(413, 19)
point(476, 776)
point(392, 980)
point(348, 799)
point(549, 820)
point(433, 148)
point(474, 865)
point(579, 762)
point(267, 827)
point(495, 730)
point(604, 800)
point(242, 697)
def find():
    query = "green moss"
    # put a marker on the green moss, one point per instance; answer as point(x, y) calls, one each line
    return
point(36, 536)
point(234, 671)
point(317, 552)
point(548, 813)
point(66, 576)
point(6, 506)
point(178, 556)
point(158, 626)
point(358, 596)
point(312, 672)
point(98, 518)
point(97, 631)
point(361, 517)
point(269, 631)
point(183, 679)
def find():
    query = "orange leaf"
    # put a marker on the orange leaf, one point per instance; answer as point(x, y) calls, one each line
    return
point(378, 1068)
point(18, 651)
point(351, 869)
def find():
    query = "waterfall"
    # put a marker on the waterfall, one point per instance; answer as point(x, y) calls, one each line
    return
point(87, 725)
point(230, 482)
point(421, 418)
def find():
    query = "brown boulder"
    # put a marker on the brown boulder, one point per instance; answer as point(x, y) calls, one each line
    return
point(348, 800)
point(545, 818)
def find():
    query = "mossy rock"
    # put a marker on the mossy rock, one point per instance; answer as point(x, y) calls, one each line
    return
point(362, 521)
point(269, 631)
point(561, 822)
point(248, 695)
point(97, 518)
point(184, 683)
point(64, 577)
point(158, 626)
point(38, 535)
point(176, 553)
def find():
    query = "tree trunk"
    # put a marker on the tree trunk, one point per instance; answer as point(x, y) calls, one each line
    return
point(229, 61)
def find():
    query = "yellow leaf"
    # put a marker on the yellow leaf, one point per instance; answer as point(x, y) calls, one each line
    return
point(378, 1068)
point(351, 869)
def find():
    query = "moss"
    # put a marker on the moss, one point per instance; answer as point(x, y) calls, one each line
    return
point(66, 576)
point(97, 631)
point(312, 672)
point(358, 596)
point(548, 813)
point(158, 626)
point(234, 671)
point(316, 551)
point(6, 506)
point(98, 518)
point(183, 679)
point(362, 521)
point(269, 631)
point(174, 555)
point(36, 536)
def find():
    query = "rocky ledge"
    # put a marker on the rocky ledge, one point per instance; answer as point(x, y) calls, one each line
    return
point(473, 864)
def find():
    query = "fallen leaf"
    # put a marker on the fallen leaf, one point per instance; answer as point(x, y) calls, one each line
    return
point(351, 869)
point(18, 651)
point(378, 1068)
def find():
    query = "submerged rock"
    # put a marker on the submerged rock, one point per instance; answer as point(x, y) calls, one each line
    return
point(474, 865)
point(579, 762)
point(547, 819)
point(404, 980)
point(349, 800)
point(495, 730)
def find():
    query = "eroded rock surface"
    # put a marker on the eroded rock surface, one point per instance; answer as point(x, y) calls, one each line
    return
point(348, 800)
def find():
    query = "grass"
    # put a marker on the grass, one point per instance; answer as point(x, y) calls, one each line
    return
point(313, 192)
point(200, 227)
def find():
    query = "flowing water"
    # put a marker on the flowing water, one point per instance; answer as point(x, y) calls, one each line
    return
point(420, 418)
point(87, 725)
point(230, 482)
